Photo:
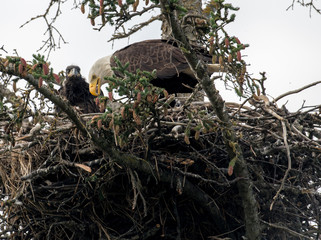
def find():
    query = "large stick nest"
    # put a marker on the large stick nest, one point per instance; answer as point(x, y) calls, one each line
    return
point(57, 185)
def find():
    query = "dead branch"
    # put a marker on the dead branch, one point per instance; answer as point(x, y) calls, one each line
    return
point(133, 29)
point(278, 226)
point(51, 43)
point(288, 154)
point(310, 4)
point(295, 91)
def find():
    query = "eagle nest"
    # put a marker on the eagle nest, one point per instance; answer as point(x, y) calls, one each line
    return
point(175, 181)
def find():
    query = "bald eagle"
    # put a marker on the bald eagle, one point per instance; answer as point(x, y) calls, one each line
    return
point(76, 90)
point(173, 71)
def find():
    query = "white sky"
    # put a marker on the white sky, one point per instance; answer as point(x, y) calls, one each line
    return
point(285, 44)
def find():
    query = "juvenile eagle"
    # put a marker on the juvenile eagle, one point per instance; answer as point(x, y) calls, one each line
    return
point(173, 71)
point(76, 90)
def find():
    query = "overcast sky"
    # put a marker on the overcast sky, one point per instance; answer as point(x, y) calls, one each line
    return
point(285, 44)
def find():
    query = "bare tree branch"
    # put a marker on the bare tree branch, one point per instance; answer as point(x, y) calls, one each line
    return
point(296, 91)
point(310, 4)
point(134, 29)
point(278, 226)
point(50, 44)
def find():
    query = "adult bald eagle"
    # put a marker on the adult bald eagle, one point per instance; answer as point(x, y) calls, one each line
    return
point(173, 71)
point(76, 90)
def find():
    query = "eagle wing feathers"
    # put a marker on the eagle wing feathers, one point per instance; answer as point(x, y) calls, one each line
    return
point(161, 55)
point(148, 55)
point(173, 71)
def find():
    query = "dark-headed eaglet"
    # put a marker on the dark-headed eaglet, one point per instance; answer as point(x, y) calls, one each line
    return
point(75, 90)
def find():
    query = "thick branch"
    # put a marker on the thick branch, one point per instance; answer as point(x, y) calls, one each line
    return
point(252, 223)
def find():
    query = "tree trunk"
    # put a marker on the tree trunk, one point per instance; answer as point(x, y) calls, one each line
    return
point(249, 203)
point(194, 8)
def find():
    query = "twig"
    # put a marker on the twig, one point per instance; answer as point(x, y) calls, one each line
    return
point(41, 172)
point(295, 91)
point(2, 48)
point(218, 237)
point(289, 163)
point(240, 106)
point(274, 114)
point(134, 29)
point(278, 226)
point(121, 21)
point(50, 43)
point(305, 137)
point(197, 176)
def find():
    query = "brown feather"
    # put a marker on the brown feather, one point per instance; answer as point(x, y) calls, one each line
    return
point(163, 56)
point(76, 90)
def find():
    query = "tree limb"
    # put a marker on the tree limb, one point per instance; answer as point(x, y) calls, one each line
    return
point(252, 224)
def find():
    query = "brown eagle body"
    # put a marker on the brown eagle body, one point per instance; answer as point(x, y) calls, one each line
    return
point(173, 71)
point(76, 90)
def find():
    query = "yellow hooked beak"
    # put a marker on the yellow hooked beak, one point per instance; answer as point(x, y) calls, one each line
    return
point(94, 85)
